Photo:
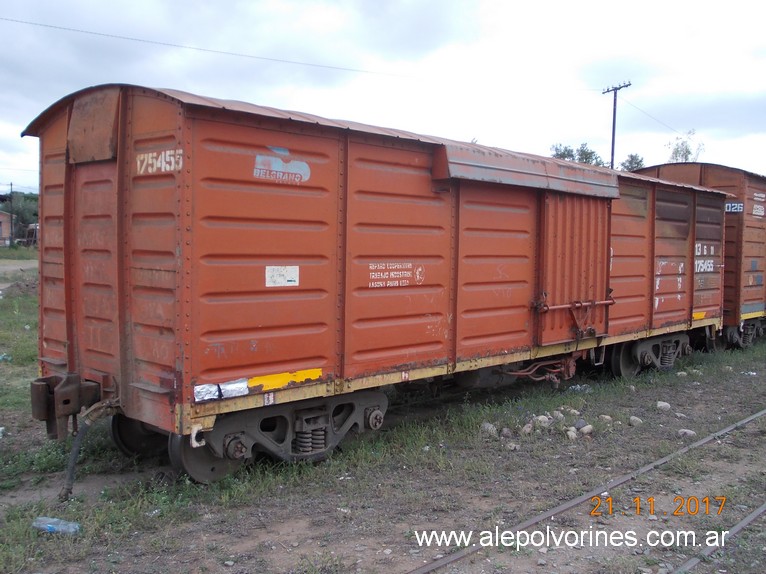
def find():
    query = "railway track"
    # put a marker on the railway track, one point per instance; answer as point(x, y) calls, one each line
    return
point(687, 566)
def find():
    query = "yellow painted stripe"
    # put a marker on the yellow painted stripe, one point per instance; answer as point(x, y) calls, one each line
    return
point(698, 315)
point(279, 380)
point(755, 315)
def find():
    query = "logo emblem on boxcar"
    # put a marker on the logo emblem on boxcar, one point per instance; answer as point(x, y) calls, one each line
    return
point(280, 168)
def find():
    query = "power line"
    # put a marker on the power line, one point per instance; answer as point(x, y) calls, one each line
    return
point(671, 128)
point(17, 169)
point(198, 49)
point(15, 187)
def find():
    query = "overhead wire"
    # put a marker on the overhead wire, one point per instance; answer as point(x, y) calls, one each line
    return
point(263, 58)
point(671, 128)
point(199, 49)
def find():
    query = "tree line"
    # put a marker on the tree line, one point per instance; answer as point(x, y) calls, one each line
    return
point(682, 149)
point(23, 207)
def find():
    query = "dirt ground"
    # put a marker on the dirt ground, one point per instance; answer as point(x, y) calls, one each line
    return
point(23, 266)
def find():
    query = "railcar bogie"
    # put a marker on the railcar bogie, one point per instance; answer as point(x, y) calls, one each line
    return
point(305, 430)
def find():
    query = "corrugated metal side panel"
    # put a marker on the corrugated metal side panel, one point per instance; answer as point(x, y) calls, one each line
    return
point(745, 292)
point(732, 281)
point(53, 300)
point(497, 272)
point(632, 246)
point(732, 182)
point(265, 231)
point(673, 268)
point(91, 236)
point(575, 251)
point(95, 269)
point(708, 256)
point(153, 158)
point(754, 252)
point(397, 301)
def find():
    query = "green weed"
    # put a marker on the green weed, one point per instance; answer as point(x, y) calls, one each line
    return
point(18, 253)
point(18, 329)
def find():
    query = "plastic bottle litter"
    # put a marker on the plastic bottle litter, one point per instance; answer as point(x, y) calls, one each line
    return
point(47, 524)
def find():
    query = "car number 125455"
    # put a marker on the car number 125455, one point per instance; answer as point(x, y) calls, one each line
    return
point(159, 161)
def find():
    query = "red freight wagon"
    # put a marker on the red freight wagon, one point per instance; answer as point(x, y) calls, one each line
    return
point(666, 272)
point(744, 286)
point(227, 279)
point(245, 279)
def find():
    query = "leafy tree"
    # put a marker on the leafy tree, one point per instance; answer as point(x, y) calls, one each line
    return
point(683, 149)
point(582, 154)
point(561, 151)
point(633, 163)
point(24, 207)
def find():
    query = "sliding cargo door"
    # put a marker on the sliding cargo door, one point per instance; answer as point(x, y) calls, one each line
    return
point(574, 280)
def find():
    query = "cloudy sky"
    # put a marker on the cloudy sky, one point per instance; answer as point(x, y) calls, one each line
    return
point(521, 76)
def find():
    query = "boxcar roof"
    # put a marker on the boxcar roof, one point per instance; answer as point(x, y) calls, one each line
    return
point(715, 165)
point(454, 160)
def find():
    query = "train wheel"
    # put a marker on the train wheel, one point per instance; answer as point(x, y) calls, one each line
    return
point(200, 463)
point(133, 438)
point(622, 362)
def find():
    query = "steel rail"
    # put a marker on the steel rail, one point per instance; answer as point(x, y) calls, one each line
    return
point(468, 550)
point(742, 524)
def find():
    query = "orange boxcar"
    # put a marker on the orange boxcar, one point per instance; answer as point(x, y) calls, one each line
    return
point(744, 285)
point(226, 279)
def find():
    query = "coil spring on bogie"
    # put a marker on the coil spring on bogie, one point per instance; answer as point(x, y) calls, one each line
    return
point(668, 356)
point(303, 441)
point(310, 441)
point(318, 441)
point(748, 334)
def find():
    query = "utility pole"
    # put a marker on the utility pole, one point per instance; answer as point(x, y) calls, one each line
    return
point(614, 89)
point(10, 199)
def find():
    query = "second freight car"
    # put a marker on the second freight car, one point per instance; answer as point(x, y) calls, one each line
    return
point(745, 288)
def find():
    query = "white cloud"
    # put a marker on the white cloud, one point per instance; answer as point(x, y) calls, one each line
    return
point(517, 75)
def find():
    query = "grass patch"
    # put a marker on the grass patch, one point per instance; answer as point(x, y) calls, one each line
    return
point(18, 329)
point(325, 563)
point(18, 252)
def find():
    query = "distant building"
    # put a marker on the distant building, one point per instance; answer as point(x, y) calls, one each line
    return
point(5, 229)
